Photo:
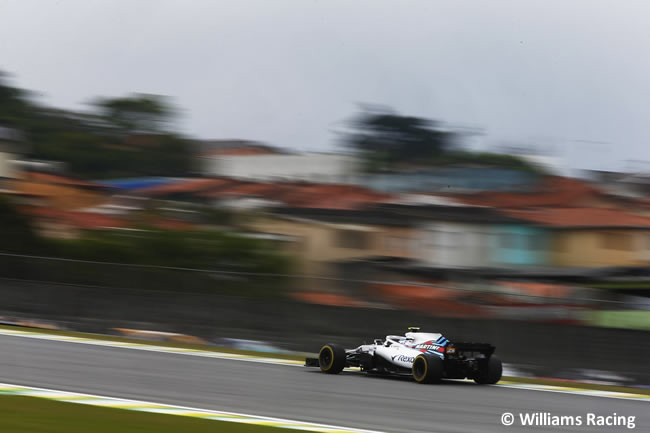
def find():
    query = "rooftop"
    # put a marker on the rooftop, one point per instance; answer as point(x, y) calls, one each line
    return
point(190, 186)
point(553, 191)
point(53, 179)
point(579, 217)
point(398, 215)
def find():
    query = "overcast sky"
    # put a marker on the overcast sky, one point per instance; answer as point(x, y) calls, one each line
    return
point(570, 74)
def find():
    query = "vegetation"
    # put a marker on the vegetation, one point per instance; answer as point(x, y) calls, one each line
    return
point(484, 159)
point(240, 265)
point(137, 113)
point(125, 136)
point(151, 259)
point(35, 415)
point(15, 231)
point(388, 141)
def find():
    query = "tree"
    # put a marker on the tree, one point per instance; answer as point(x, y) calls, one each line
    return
point(387, 139)
point(138, 113)
point(15, 105)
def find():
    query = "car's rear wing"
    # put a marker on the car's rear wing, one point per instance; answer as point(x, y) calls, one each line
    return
point(464, 348)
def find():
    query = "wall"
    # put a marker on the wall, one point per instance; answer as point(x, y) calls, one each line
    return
point(518, 245)
point(315, 167)
point(451, 179)
point(590, 248)
point(318, 241)
point(7, 168)
point(642, 244)
point(293, 325)
point(318, 246)
point(451, 245)
point(399, 242)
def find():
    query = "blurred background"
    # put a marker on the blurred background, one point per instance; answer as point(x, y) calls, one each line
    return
point(117, 217)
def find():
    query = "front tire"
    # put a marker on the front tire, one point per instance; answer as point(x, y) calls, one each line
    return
point(332, 358)
point(489, 372)
point(427, 368)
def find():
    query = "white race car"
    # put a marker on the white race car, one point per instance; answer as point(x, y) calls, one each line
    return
point(428, 357)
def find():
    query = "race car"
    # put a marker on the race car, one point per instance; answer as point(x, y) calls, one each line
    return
point(428, 357)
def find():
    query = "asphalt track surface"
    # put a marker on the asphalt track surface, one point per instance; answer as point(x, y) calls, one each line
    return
point(349, 399)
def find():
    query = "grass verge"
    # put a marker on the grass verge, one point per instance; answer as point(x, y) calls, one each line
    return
point(20, 414)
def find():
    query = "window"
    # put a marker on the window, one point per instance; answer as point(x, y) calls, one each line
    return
point(352, 239)
point(535, 242)
point(561, 243)
point(616, 241)
point(508, 241)
point(395, 243)
point(452, 239)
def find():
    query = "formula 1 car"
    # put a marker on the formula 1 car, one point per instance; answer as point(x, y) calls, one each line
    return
point(428, 357)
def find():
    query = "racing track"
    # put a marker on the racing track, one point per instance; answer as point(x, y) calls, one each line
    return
point(349, 399)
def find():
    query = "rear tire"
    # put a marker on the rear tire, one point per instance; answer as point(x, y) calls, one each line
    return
point(489, 372)
point(427, 368)
point(332, 358)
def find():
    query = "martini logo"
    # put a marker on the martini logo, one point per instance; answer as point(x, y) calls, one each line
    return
point(430, 346)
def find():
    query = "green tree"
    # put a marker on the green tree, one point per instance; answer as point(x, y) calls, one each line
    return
point(14, 103)
point(387, 139)
point(137, 113)
point(96, 145)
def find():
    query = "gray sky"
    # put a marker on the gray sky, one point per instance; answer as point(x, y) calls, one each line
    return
point(568, 73)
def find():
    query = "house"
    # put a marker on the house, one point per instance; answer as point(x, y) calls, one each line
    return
point(320, 239)
point(553, 191)
point(591, 237)
point(448, 180)
point(633, 185)
point(256, 164)
point(466, 236)
point(236, 193)
point(519, 244)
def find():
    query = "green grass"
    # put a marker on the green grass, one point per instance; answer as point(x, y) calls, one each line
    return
point(35, 415)
point(628, 319)
point(103, 337)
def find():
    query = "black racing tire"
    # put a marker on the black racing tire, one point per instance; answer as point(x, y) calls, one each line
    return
point(489, 372)
point(427, 368)
point(332, 358)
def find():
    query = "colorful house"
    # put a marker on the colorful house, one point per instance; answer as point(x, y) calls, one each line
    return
point(591, 237)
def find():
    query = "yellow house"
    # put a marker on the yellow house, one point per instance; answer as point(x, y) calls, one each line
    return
point(320, 238)
point(601, 247)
